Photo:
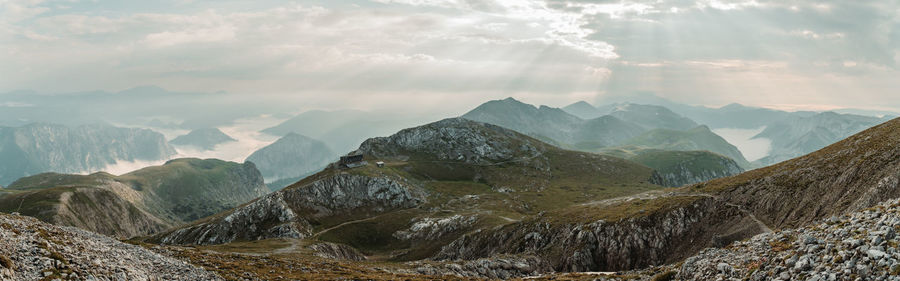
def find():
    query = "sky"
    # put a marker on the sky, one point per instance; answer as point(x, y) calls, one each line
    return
point(455, 54)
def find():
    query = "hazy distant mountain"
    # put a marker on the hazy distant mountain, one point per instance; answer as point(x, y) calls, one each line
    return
point(604, 131)
point(137, 203)
point(797, 136)
point(39, 148)
point(583, 110)
point(625, 122)
point(342, 130)
point(729, 116)
point(652, 117)
point(189, 110)
point(545, 123)
point(205, 139)
point(292, 157)
point(555, 126)
point(699, 138)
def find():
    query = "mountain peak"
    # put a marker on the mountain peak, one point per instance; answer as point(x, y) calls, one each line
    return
point(206, 138)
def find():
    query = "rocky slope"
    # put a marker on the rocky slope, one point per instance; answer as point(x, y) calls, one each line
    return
point(455, 168)
point(611, 236)
point(204, 139)
point(848, 176)
point(32, 250)
point(39, 148)
point(292, 211)
point(138, 203)
point(291, 157)
point(859, 246)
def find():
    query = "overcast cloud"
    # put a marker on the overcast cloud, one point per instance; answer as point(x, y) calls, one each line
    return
point(458, 53)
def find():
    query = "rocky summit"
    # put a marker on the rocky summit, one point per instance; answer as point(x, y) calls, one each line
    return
point(33, 250)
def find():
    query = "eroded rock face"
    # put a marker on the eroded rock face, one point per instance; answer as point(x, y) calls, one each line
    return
point(36, 251)
point(455, 139)
point(344, 193)
point(434, 228)
point(267, 217)
point(682, 175)
point(609, 246)
point(337, 252)
point(287, 213)
point(502, 267)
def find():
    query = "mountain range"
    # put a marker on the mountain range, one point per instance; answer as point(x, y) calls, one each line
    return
point(641, 126)
point(476, 175)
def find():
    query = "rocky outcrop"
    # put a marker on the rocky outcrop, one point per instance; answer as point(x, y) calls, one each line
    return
point(32, 250)
point(657, 238)
point(429, 229)
point(337, 252)
point(39, 148)
point(267, 217)
point(503, 267)
point(455, 139)
point(290, 212)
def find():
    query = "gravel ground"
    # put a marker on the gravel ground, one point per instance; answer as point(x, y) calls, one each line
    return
point(33, 250)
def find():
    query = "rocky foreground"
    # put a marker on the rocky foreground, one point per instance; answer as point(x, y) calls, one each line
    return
point(33, 250)
point(859, 246)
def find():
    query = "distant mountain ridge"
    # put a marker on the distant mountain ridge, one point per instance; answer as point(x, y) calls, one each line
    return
point(39, 148)
point(797, 136)
point(648, 126)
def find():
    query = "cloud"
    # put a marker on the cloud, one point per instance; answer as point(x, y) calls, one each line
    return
point(704, 51)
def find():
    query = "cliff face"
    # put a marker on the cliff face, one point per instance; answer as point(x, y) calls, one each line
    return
point(292, 211)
